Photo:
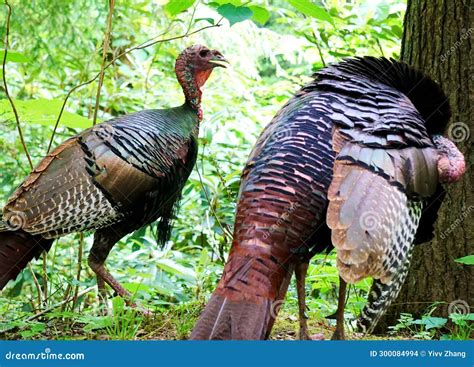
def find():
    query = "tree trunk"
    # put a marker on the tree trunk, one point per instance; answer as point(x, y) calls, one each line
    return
point(437, 40)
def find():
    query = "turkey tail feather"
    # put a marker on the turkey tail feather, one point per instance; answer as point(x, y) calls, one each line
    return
point(17, 249)
point(225, 319)
point(246, 302)
point(380, 297)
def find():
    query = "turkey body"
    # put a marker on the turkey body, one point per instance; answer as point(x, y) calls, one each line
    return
point(112, 179)
point(115, 178)
point(349, 161)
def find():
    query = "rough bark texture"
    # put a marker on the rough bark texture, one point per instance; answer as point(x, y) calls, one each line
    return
point(438, 40)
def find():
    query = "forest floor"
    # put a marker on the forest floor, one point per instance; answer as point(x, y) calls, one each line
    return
point(174, 324)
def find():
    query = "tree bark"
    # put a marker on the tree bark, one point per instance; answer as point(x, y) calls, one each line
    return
point(437, 39)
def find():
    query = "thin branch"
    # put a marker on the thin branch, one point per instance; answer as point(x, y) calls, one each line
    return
point(105, 48)
point(147, 78)
point(45, 278)
point(224, 231)
point(316, 42)
point(380, 47)
point(79, 269)
point(5, 85)
point(37, 285)
point(190, 24)
point(139, 47)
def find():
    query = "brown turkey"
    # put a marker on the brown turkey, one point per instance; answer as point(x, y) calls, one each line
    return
point(354, 158)
point(113, 178)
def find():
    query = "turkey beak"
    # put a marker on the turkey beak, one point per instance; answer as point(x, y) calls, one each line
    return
point(219, 60)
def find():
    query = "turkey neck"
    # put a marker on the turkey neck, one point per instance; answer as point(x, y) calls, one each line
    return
point(191, 81)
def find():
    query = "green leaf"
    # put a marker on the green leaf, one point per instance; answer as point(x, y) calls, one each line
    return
point(217, 3)
point(382, 12)
point(308, 8)
point(235, 14)
point(175, 7)
point(431, 322)
point(118, 305)
point(209, 20)
point(43, 112)
point(260, 15)
point(172, 267)
point(467, 260)
point(13, 56)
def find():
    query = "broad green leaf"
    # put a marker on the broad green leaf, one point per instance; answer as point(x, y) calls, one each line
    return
point(260, 15)
point(13, 57)
point(382, 11)
point(175, 7)
point(308, 8)
point(431, 322)
point(94, 322)
point(397, 30)
point(467, 260)
point(235, 14)
point(172, 267)
point(43, 112)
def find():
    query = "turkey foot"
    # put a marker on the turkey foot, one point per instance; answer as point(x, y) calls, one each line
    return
point(102, 295)
point(103, 276)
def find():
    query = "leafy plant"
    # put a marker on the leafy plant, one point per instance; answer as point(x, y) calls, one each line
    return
point(124, 322)
point(463, 326)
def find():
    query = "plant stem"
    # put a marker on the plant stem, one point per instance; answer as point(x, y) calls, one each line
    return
point(105, 48)
point(5, 85)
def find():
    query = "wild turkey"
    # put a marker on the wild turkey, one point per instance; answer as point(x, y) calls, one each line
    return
point(113, 178)
point(362, 139)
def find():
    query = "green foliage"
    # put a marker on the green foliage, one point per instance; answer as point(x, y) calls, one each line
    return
point(311, 10)
point(235, 14)
point(13, 56)
point(459, 326)
point(463, 326)
point(43, 112)
point(175, 7)
point(125, 321)
point(467, 260)
point(260, 15)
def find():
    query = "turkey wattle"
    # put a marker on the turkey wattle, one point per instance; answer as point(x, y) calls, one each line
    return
point(113, 178)
point(354, 158)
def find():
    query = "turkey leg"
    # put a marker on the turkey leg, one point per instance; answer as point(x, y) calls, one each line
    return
point(341, 303)
point(300, 272)
point(104, 240)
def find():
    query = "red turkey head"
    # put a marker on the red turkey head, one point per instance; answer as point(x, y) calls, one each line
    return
point(196, 62)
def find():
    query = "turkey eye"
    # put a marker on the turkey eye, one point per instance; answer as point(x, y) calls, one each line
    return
point(204, 53)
